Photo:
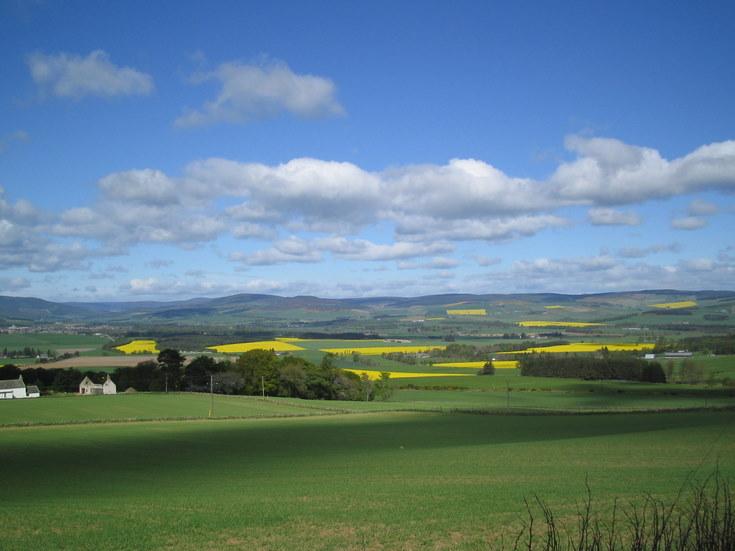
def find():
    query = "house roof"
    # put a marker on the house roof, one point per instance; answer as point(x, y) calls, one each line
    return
point(32, 389)
point(10, 384)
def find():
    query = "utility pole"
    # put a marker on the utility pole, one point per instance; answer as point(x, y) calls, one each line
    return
point(262, 385)
point(211, 394)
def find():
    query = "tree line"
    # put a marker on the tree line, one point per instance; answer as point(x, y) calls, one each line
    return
point(609, 366)
point(256, 372)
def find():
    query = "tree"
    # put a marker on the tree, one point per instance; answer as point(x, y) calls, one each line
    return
point(653, 373)
point(487, 369)
point(227, 382)
point(292, 381)
point(259, 369)
point(383, 388)
point(172, 363)
point(9, 371)
point(197, 373)
point(367, 387)
point(144, 376)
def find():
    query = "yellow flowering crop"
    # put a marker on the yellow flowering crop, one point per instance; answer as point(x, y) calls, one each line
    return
point(468, 312)
point(585, 347)
point(259, 345)
point(503, 364)
point(556, 324)
point(375, 375)
point(681, 304)
point(139, 347)
point(555, 306)
point(378, 350)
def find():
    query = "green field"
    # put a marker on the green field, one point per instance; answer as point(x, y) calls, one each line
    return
point(370, 480)
point(53, 341)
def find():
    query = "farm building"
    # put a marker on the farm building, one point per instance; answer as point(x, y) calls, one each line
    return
point(88, 387)
point(16, 388)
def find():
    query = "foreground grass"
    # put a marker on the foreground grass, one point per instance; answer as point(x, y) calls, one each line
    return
point(361, 481)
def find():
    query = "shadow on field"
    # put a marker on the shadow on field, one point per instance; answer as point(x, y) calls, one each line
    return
point(67, 457)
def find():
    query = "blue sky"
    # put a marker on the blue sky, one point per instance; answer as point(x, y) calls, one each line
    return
point(168, 150)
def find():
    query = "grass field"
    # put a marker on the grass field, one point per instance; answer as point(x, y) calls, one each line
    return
point(390, 480)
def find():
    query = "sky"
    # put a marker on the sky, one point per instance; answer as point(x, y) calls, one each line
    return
point(177, 149)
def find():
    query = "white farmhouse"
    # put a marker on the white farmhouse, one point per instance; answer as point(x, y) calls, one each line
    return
point(88, 387)
point(16, 388)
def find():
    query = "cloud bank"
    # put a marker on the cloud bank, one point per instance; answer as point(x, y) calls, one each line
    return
point(308, 211)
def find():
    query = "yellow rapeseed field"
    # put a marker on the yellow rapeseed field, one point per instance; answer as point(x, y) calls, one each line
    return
point(681, 304)
point(468, 312)
point(375, 375)
point(139, 347)
point(378, 350)
point(241, 347)
point(555, 307)
point(556, 324)
point(585, 347)
point(502, 364)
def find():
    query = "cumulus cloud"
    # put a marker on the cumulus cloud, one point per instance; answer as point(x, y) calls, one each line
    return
point(612, 217)
point(689, 223)
point(252, 92)
point(438, 263)
point(13, 284)
point(332, 206)
point(73, 76)
point(640, 252)
point(362, 249)
point(700, 207)
point(609, 172)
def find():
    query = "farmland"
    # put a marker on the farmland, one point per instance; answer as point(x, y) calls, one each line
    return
point(443, 461)
point(371, 480)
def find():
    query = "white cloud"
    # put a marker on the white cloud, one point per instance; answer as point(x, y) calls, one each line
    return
point(491, 229)
point(290, 249)
point(610, 172)
point(15, 137)
point(689, 223)
point(438, 263)
point(700, 207)
point(251, 92)
point(640, 252)
point(72, 76)
point(611, 217)
point(13, 284)
point(361, 249)
point(330, 207)
point(486, 261)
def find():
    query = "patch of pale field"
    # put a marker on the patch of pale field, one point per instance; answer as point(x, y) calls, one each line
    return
point(468, 312)
point(86, 362)
point(680, 304)
point(90, 362)
point(557, 324)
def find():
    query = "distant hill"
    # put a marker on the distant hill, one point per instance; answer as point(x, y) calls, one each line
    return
point(229, 309)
